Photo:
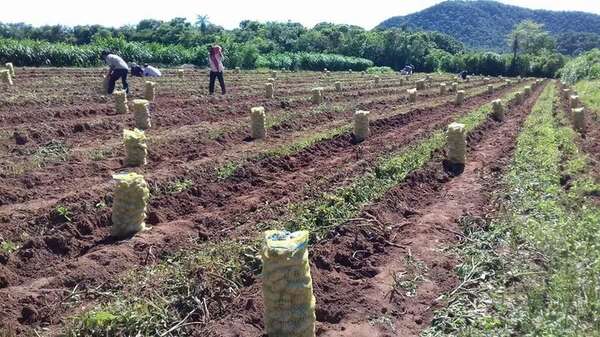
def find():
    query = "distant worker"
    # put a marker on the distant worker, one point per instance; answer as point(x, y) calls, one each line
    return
point(463, 74)
point(136, 70)
point(407, 70)
point(215, 61)
point(151, 71)
point(117, 68)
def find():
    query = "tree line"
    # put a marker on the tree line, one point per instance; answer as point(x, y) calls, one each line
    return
point(271, 44)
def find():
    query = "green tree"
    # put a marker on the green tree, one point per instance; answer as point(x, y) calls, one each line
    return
point(530, 38)
point(202, 23)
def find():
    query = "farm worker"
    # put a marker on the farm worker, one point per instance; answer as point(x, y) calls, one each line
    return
point(215, 61)
point(136, 70)
point(151, 71)
point(117, 68)
point(463, 74)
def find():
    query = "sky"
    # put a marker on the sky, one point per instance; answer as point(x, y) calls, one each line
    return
point(228, 13)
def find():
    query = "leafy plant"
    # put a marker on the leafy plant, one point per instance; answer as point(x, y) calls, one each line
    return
point(64, 212)
point(8, 247)
point(179, 186)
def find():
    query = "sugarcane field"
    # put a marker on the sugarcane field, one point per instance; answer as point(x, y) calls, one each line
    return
point(306, 193)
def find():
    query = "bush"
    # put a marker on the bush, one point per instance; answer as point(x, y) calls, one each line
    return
point(312, 61)
point(586, 66)
point(379, 70)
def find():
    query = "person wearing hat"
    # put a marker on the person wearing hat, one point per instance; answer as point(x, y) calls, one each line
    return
point(215, 62)
point(117, 68)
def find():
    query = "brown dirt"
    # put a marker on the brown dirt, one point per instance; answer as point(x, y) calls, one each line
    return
point(352, 268)
point(60, 254)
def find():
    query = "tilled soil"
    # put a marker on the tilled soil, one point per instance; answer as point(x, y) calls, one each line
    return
point(61, 254)
point(353, 269)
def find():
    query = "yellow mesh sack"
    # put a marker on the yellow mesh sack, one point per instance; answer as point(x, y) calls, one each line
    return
point(141, 114)
point(317, 95)
point(121, 101)
point(257, 122)
point(457, 144)
point(5, 77)
point(269, 90)
point(149, 90)
point(287, 285)
point(129, 204)
point(361, 125)
point(136, 149)
point(412, 95)
point(11, 68)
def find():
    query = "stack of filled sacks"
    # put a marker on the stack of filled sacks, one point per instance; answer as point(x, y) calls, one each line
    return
point(257, 122)
point(149, 91)
point(5, 77)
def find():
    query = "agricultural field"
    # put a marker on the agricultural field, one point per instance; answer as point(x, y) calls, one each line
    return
point(391, 220)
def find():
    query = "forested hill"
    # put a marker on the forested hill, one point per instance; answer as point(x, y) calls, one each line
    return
point(485, 24)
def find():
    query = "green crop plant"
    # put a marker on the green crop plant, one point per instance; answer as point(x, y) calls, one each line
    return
point(179, 185)
point(64, 212)
point(8, 247)
point(227, 170)
point(406, 282)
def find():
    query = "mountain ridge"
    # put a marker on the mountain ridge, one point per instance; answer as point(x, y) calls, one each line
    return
point(484, 24)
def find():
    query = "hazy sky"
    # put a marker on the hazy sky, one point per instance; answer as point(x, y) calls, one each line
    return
point(229, 13)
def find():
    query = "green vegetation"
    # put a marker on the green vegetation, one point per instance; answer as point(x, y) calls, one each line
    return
point(178, 186)
point(584, 67)
point(332, 209)
point(7, 247)
point(312, 61)
point(63, 212)
point(484, 24)
point(380, 70)
point(589, 93)
point(200, 284)
point(534, 270)
point(260, 45)
point(227, 170)
point(197, 284)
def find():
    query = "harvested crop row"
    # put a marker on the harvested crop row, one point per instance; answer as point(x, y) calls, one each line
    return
point(91, 252)
point(334, 262)
point(170, 167)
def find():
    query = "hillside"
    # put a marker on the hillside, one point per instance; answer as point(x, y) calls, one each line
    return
point(485, 24)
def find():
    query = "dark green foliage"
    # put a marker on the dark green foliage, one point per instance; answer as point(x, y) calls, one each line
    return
point(485, 24)
point(572, 43)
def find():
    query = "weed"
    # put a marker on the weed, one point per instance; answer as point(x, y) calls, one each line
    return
point(534, 271)
point(54, 151)
point(227, 170)
point(384, 321)
point(179, 186)
point(8, 247)
point(199, 285)
point(99, 154)
point(405, 282)
point(64, 212)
